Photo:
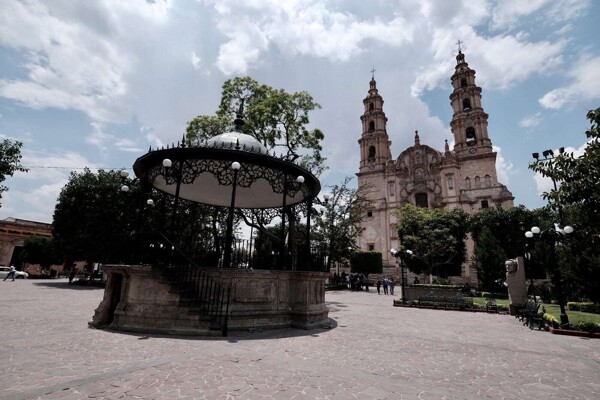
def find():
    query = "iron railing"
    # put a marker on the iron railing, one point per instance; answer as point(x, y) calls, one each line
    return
point(198, 290)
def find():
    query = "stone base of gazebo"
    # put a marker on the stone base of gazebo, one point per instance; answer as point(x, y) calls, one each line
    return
point(137, 299)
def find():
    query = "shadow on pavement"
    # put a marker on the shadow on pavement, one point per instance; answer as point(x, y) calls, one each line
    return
point(238, 336)
point(65, 285)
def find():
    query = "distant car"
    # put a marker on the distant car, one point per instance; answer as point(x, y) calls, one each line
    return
point(18, 274)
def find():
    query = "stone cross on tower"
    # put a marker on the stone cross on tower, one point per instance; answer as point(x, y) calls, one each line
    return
point(459, 42)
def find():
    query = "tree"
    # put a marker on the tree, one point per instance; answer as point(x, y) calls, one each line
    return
point(576, 200)
point(95, 221)
point(366, 262)
point(338, 225)
point(435, 237)
point(277, 119)
point(578, 176)
point(506, 235)
point(39, 250)
point(10, 161)
point(91, 216)
point(488, 260)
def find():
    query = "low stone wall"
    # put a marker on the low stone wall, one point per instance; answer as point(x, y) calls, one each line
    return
point(137, 299)
point(413, 292)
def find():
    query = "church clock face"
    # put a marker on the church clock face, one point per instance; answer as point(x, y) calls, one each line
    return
point(472, 150)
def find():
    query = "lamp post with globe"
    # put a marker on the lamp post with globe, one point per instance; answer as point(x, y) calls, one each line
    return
point(554, 236)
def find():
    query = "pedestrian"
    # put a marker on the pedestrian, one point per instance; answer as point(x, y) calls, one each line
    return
point(392, 284)
point(12, 273)
point(378, 286)
point(385, 285)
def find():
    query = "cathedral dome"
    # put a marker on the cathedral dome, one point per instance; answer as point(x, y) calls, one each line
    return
point(237, 139)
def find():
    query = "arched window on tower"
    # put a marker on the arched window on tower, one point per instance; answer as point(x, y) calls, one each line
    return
point(463, 82)
point(371, 153)
point(488, 181)
point(421, 200)
point(471, 136)
point(371, 125)
point(477, 182)
point(466, 104)
point(468, 183)
point(371, 106)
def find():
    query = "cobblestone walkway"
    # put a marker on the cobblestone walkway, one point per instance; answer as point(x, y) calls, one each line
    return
point(372, 351)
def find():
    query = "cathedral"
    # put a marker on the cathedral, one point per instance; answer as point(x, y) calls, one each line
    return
point(460, 178)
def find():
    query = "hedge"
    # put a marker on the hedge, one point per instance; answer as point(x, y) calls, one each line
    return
point(584, 307)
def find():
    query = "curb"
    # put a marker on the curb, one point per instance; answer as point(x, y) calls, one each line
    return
point(568, 332)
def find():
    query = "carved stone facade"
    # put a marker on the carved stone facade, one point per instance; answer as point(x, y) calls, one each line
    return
point(462, 178)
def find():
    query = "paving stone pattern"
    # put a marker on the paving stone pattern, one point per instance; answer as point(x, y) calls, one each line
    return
point(371, 351)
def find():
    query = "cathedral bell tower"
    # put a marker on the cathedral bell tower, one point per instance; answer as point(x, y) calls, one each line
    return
point(374, 141)
point(469, 123)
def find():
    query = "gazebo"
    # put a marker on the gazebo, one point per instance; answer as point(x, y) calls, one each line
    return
point(181, 296)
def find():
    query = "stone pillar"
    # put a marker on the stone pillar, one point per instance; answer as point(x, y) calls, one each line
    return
point(517, 286)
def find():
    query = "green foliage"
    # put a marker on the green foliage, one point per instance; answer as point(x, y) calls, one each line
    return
point(366, 262)
point(90, 215)
point(435, 237)
point(276, 118)
point(576, 201)
point(575, 317)
point(10, 161)
point(578, 176)
point(488, 260)
point(338, 225)
point(584, 307)
point(39, 250)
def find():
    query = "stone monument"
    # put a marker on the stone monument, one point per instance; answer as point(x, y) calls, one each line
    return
point(517, 287)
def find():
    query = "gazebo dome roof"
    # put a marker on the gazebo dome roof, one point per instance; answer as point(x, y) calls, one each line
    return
point(236, 139)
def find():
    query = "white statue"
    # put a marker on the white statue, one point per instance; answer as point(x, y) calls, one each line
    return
point(515, 279)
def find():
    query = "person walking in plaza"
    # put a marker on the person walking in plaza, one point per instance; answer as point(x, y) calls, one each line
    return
point(392, 284)
point(378, 286)
point(385, 285)
point(12, 273)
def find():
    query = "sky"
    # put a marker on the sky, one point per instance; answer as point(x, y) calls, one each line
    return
point(96, 83)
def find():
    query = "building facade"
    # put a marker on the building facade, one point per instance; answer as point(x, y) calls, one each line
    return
point(463, 177)
point(13, 232)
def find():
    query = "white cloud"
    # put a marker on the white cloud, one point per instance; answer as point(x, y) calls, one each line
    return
point(37, 190)
point(494, 58)
point(504, 168)
point(531, 121)
point(506, 14)
point(76, 54)
point(304, 27)
point(584, 86)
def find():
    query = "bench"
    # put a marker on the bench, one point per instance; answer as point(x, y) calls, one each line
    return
point(530, 315)
point(446, 302)
point(490, 305)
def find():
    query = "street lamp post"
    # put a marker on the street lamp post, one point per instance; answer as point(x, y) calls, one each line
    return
point(554, 236)
point(139, 204)
point(398, 255)
point(235, 167)
point(320, 202)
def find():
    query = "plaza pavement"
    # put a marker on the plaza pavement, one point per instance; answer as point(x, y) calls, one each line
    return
point(371, 351)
